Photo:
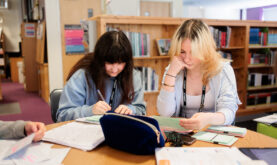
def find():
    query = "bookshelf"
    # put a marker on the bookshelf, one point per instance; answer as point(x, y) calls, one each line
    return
point(262, 52)
point(28, 37)
point(42, 62)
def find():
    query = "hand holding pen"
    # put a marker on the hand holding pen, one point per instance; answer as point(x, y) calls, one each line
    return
point(100, 107)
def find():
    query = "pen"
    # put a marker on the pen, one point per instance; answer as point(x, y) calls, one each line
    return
point(100, 94)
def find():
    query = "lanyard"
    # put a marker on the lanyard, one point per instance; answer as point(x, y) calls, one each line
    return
point(112, 94)
point(202, 96)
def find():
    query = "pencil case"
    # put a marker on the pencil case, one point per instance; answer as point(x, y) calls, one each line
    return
point(134, 134)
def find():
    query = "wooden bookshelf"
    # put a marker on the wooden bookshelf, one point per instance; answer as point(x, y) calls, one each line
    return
point(29, 56)
point(265, 87)
point(271, 28)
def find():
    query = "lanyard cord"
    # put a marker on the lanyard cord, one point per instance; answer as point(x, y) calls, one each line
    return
point(202, 96)
point(113, 91)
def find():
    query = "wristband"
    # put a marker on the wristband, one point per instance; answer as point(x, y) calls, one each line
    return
point(168, 85)
point(170, 75)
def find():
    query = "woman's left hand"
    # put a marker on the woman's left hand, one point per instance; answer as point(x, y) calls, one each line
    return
point(196, 122)
point(123, 109)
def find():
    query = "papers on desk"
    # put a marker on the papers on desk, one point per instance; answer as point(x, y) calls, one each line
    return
point(229, 130)
point(19, 145)
point(270, 119)
point(95, 119)
point(209, 156)
point(215, 138)
point(170, 124)
point(32, 154)
point(77, 135)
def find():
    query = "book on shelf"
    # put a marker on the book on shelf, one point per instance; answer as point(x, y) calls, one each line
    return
point(150, 80)
point(265, 57)
point(272, 39)
point(260, 79)
point(221, 35)
point(140, 42)
point(262, 98)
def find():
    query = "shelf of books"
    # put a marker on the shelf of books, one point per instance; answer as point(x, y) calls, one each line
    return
point(261, 86)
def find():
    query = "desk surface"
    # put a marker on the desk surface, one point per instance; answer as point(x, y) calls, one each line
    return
point(104, 154)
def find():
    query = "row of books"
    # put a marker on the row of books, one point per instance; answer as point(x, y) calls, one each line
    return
point(259, 79)
point(150, 80)
point(226, 55)
point(262, 98)
point(261, 36)
point(258, 36)
point(262, 58)
point(221, 36)
point(140, 42)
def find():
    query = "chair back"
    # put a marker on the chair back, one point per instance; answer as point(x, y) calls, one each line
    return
point(54, 102)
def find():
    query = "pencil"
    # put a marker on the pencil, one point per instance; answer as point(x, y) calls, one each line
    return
point(100, 94)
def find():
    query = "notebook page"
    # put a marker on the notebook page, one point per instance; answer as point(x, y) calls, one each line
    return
point(78, 135)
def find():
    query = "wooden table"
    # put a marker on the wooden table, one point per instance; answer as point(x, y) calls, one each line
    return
point(104, 154)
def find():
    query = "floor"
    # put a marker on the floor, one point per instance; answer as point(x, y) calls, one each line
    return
point(17, 104)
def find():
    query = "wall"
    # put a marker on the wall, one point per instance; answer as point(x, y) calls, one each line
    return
point(211, 12)
point(177, 7)
point(123, 7)
point(222, 13)
point(193, 12)
point(11, 26)
point(254, 13)
point(270, 14)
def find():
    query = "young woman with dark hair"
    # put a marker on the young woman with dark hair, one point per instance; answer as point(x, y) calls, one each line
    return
point(109, 71)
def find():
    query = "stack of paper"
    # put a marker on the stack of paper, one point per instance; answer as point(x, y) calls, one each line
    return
point(19, 152)
point(170, 124)
point(76, 134)
point(95, 119)
point(229, 130)
point(215, 138)
point(270, 119)
point(210, 156)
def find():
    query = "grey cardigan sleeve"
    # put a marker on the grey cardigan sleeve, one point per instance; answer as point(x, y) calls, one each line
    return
point(167, 101)
point(138, 105)
point(12, 129)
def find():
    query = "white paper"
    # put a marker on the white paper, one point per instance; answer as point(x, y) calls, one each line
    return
point(202, 155)
point(267, 119)
point(78, 135)
point(19, 145)
point(33, 154)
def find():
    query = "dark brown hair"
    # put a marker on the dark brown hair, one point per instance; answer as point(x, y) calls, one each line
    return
point(111, 47)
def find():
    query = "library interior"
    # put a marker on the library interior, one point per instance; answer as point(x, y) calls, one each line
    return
point(41, 41)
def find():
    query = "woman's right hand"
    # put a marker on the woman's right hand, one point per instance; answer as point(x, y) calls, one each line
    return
point(176, 65)
point(100, 108)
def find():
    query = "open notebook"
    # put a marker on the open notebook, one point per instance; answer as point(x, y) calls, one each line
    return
point(77, 135)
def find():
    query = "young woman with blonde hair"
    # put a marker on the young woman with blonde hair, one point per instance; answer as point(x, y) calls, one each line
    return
point(199, 84)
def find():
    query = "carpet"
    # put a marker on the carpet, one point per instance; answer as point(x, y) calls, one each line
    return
point(10, 108)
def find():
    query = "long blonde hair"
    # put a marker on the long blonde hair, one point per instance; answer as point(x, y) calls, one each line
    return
point(202, 46)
